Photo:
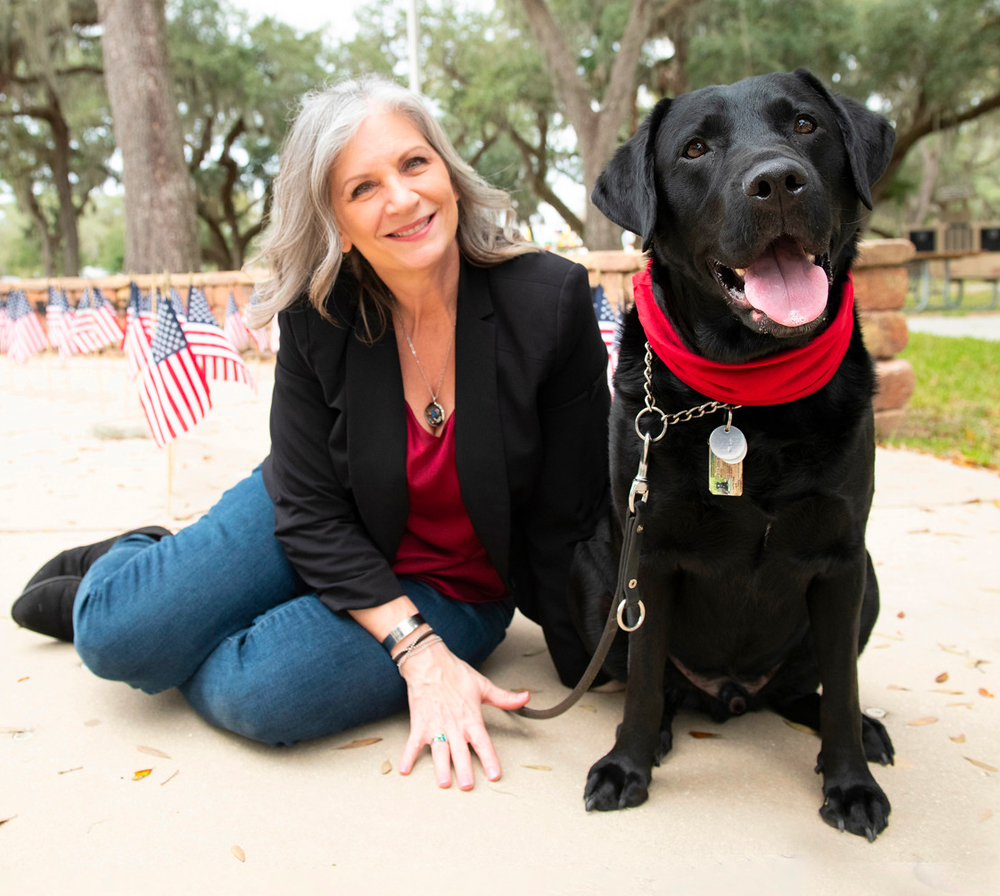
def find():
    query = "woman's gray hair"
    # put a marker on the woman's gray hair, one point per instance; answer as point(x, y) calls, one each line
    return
point(302, 247)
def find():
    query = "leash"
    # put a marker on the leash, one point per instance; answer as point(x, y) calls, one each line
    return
point(627, 609)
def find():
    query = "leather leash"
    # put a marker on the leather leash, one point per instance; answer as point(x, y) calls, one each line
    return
point(627, 610)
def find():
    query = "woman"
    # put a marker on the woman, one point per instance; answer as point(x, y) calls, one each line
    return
point(438, 432)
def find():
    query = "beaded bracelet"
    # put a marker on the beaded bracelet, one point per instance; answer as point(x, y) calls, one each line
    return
point(425, 642)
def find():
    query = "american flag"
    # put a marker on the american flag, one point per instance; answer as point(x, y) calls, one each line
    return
point(27, 335)
point(236, 328)
point(213, 351)
point(179, 309)
point(138, 332)
point(58, 322)
point(173, 392)
point(260, 336)
point(106, 326)
point(5, 333)
point(82, 330)
point(610, 322)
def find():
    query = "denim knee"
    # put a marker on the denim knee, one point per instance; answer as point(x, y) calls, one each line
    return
point(112, 645)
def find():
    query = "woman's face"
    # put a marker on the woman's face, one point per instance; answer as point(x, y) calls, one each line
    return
point(393, 198)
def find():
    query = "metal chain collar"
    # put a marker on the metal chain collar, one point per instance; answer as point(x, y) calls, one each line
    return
point(666, 420)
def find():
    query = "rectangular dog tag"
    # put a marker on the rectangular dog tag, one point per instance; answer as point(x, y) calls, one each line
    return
point(724, 479)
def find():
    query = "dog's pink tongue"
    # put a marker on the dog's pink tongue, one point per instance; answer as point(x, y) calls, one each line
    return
point(786, 285)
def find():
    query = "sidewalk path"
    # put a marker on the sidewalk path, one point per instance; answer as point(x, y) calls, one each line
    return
point(732, 814)
point(978, 326)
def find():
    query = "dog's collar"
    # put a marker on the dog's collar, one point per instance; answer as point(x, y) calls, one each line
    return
point(779, 378)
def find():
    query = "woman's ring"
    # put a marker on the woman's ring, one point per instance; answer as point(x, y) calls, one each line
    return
point(441, 737)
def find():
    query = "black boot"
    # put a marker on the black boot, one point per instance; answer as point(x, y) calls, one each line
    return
point(46, 604)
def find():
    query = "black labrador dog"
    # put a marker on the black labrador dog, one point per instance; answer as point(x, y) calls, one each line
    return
point(754, 575)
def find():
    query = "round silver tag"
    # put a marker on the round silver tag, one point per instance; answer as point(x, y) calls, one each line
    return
point(728, 446)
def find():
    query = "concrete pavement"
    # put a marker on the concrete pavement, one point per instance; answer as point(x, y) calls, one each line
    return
point(733, 814)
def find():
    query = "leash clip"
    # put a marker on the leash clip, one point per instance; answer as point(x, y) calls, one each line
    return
point(640, 485)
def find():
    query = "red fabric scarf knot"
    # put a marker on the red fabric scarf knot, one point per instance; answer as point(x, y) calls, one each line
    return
point(779, 378)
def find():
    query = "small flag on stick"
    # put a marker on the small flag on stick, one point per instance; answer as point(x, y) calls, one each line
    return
point(172, 390)
point(27, 335)
point(212, 350)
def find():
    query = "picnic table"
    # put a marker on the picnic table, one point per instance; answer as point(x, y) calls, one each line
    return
point(959, 273)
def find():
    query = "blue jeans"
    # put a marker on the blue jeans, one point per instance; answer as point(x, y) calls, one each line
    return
point(217, 611)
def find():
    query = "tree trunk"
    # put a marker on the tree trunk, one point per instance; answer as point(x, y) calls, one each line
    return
point(161, 232)
point(64, 189)
point(596, 131)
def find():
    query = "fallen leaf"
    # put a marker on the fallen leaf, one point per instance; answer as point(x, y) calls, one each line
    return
point(896, 687)
point(804, 729)
point(68, 770)
point(900, 615)
point(362, 742)
point(881, 646)
point(538, 768)
point(702, 734)
point(26, 677)
point(942, 678)
point(958, 738)
point(238, 852)
point(926, 720)
point(171, 778)
point(918, 531)
point(5, 820)
point(152, 751)
point(142, 773)
point(946, 691)
point(91, 723)
point(890, 637)
point(984, 693)
point(982, 765)
point(588, 707)
point(949, 705)
point(951, 648)
point(986, 816)
point(386, 767)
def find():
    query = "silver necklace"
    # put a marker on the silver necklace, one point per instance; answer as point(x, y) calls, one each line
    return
point(433, 413)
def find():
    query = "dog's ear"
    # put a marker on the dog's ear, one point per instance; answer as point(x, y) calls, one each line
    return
point(625, 191)
point(869, 138)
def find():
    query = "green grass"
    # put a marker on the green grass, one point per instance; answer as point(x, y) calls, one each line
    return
point(955, 408)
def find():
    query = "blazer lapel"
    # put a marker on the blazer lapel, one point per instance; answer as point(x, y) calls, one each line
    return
point(479, 450)
point(376, 439)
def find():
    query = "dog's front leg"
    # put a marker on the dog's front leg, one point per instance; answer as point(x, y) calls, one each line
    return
point(621, 778)
point(853, 801)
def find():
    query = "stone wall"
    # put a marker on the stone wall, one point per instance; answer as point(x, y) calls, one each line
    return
point(880, 279)
point(217, 286)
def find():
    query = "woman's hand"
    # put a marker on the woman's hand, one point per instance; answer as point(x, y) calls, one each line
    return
point(446, 697)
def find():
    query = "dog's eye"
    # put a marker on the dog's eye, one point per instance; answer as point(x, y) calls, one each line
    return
point(695, 149)
point(804, 125)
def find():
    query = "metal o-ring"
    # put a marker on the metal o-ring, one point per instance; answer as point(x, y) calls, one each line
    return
point(621, 621)
point(663, 420)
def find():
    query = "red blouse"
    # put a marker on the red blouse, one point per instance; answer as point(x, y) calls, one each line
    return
point(439, 545)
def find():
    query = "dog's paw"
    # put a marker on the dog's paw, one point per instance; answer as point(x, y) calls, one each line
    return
point(665, 746)
point(610, 785)
point(860, 808)
point(878, 746)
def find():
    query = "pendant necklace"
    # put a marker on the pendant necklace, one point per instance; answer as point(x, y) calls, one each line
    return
point(433, 413)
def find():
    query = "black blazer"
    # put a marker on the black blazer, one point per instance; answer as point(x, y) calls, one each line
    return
point(531, 409)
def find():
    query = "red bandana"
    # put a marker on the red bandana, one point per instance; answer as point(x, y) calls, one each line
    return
point(778, 378)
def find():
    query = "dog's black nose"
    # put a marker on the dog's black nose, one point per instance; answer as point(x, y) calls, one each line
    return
point(735, 698)
point(775, 179)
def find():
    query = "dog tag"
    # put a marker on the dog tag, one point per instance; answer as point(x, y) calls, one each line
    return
point(728, 445)
point(724, 478)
